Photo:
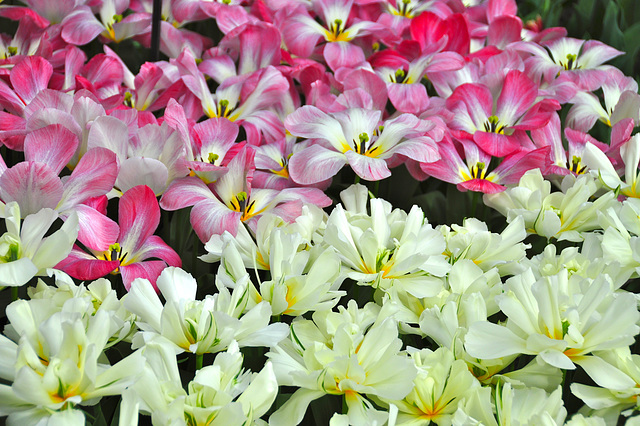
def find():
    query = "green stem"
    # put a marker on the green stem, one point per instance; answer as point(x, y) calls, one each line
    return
point(376, 188)
point(14, 294)
point(357, 180)
point(199, 358)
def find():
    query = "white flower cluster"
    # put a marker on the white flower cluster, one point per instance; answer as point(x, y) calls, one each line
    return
point(405, 322)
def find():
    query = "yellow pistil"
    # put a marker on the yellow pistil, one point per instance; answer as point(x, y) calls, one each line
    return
point(492, 125)
point(478, 171)
point(336, 32)
point(576, 166)
point(242, 204)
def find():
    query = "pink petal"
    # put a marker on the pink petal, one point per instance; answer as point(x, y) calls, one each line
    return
point(93, 176)
point(315, 164)
point(30, 76)
point(138, 216)
point(9, 100)
point(310, 122)
point(83, 266)
point(518, 94)
point(216, 134)
point(53, 145)
point(495, 144)
point(504, 30)
point(513, 167)
point(538, 115)
point(81, 26)
point(97, 231)
point(33, 186)
point(370, 82)
point(211, 217)
point(131, 25)
point(472, 104)
point(422, 149)
point(343, 54)
point(481, 185)
point(259, 46)
point(368, 168)
point(301, 35)
point(149, 270)
point(155, 247)
point(411, 98)
point(184, 192)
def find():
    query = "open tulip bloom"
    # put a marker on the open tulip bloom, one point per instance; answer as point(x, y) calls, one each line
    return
point(371, 212)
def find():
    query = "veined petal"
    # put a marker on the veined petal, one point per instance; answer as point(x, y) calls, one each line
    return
point(33, 185)
point(155, 247)
point(138, 217)
point(30, 76)
point(209, 217)
point(315, 164)
point(96, 231)
point(518, 94)
point(411, 98)
point(343, 54)
point(185, 192)
point(368, 168)
point(472, 104)
point(310, 122)
point(495, 144)
point(422, 149)
point(53, 145)
point(93, 176)
point(81, 26)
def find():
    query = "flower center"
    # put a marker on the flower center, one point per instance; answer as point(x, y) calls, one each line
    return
point(493, 125)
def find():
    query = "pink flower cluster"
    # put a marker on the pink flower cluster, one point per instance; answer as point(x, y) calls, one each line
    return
point(264, 118)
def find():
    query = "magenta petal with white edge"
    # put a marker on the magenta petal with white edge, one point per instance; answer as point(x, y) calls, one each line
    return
point(149, 270)
point(138, 217)
point(94, 175)
point(30, 76)
point(472, 104)
point(211, 217)
point(315, 164)
point(53, 145)
point(185, 192)
point(97, 231)
point(518, 94)
point(32, 185)
point(368, 168)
